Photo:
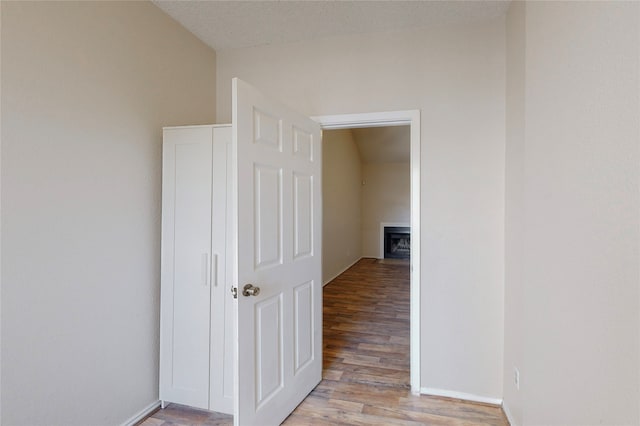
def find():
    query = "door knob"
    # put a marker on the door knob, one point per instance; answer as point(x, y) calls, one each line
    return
point(250, 290)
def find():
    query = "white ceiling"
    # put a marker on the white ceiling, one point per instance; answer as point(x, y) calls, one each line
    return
point(233, 24)
point(383, 144)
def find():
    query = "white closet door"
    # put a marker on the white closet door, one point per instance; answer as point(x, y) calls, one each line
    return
point(186, 266)
point(222, 305)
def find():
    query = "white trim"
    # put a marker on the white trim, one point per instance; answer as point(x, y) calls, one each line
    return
point(372, 119)
point(384, 225)
point(142, 414)
point(398, 118)
point(195, 126)
point(508, 414)
point(461, 395)
point(342, 271)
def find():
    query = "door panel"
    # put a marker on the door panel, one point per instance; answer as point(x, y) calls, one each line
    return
point(268, 215)
point(222, 309)
point(302, 144)
point(279, 330)
point(303, 325)
point(303, 215)
point(267, 130)
point(186, 252)
point(269, 357)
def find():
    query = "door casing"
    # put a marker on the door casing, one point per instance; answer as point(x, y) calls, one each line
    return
point(398, 118)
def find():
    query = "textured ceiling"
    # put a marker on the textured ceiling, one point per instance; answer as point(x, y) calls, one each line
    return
point(383, 144)
point(233, 24)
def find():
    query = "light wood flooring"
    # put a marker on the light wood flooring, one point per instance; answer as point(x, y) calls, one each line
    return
point(366, 362)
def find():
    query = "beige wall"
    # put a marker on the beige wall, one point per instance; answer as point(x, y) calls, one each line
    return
point(573, 198)
point(341, 204)
point(581, 199)
point(513, 293)
point(86, 89)
point(386, 197)
point(456, 76)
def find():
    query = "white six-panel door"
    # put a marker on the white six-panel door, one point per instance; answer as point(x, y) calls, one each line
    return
point(279, 330)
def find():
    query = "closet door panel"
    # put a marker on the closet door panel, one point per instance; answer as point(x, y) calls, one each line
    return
point(187, 265)
point(221, 397)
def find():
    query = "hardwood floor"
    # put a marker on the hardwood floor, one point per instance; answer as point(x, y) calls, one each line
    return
point(366, 362)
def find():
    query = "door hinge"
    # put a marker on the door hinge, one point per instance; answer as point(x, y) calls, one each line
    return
point(234, 291)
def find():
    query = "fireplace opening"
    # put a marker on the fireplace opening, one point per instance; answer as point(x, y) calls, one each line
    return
point(397, 242)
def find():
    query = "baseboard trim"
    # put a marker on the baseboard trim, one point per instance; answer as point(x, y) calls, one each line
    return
point(342, 271)
point(461, 395)
point(507, 413)
point(142, 414)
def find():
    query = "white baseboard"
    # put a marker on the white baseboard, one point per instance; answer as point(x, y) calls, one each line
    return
point(341, 272)
point(142, 414)
point(461, 395)
point(507, 413)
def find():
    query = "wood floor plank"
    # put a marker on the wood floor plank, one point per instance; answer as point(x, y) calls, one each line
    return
point(344, 417)
point(417, 416)
point(365, 378)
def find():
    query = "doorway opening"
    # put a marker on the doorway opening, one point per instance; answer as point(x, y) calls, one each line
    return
point(410, 119)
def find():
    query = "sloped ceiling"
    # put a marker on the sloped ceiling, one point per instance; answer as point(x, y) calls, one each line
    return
point(383, 144)
point(234, 24)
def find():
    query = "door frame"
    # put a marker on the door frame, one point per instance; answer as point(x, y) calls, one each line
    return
point(398, 118)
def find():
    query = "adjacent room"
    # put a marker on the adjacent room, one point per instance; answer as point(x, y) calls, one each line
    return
point(366, 188)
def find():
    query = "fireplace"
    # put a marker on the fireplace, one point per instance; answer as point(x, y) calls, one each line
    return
point(397, 242)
